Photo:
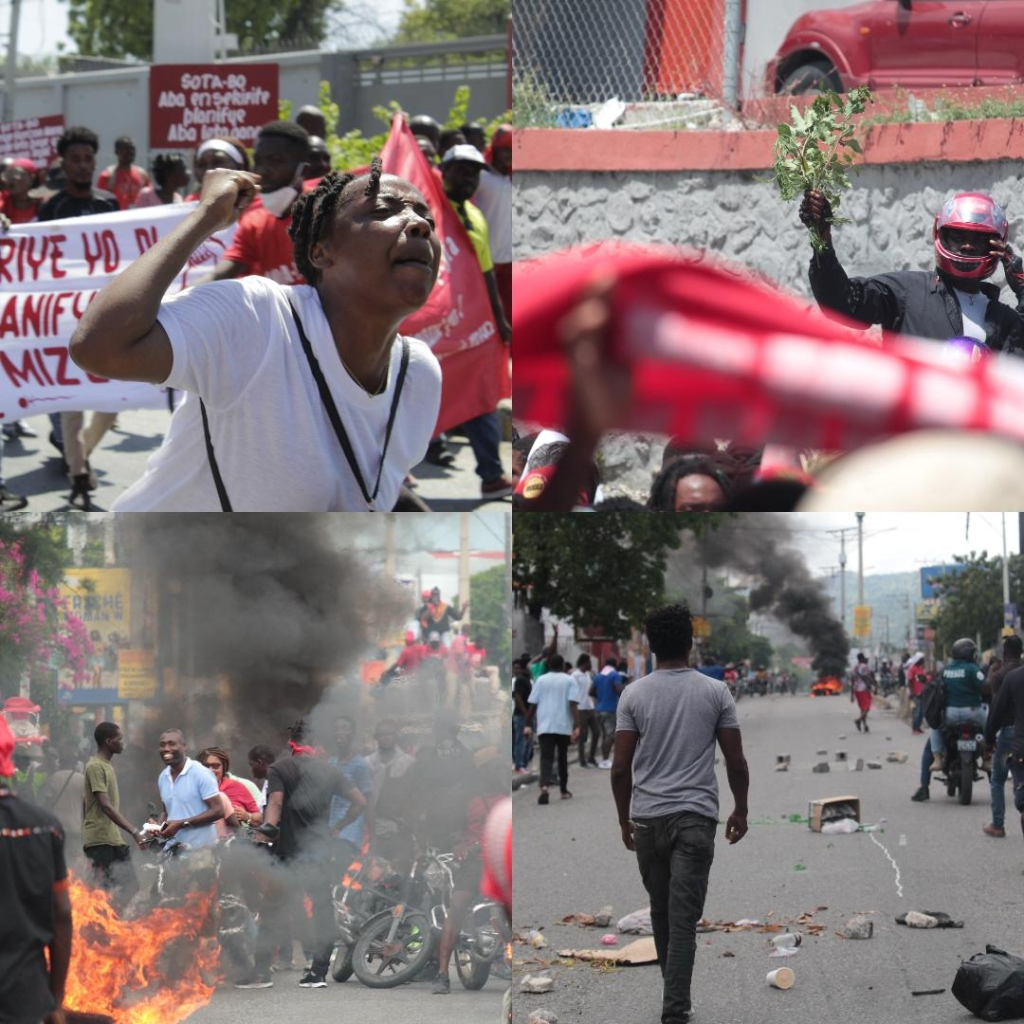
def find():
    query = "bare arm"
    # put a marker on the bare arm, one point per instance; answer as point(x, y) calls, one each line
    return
point(739, 780)
point(119, 335)
point(500, 317)
point(226, 270)
point(272, 812)
point(114, 814)
point(214, 812)
point(622, 781)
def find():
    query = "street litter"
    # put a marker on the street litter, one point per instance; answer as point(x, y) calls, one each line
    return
point(637, 923)
point(821, 768)
point(832, 808)
point(783, 767)
point(792, 951)
point(875, 764)
point(536, 984)
point(782, 978)
point(636, 954)
point(542, 1017)
point(929, 992)
point(583, 920)
point(941, 920)
point(822, 753)
point(858, 927)
point(991, 985)
point(603, 918)
point(844, 826)
point(782, 758)
point(903, 841)
point(745, 922)
point(786, 940)
point(840, 755)
point(727, 953)
point(799, 867)
point(533, 937)
point(856, 766)
point(897, 756)
point(609, 940)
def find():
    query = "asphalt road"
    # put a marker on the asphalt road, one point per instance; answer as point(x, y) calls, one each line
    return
point(352, 1002)
point(31, 467)
point(569, 858)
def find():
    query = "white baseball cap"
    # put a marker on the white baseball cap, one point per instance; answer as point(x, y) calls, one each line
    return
point(466, 153)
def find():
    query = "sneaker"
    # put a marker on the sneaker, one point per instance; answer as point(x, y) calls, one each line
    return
point(936, 763)
point(442, 985)
point(497, 488)
point(10, 502)
point(544, 798)
point(20, 430)
point(255, 981)
point(856, 722)
point(866, 729)
point(606, 765)
point(592, 763)
point(921, 795)
point(311, 979)
point(994, 830)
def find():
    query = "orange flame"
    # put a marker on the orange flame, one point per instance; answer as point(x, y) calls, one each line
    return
point(308, 904)
point(157, 969)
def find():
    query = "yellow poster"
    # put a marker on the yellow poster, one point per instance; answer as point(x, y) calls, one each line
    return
point(101, 598)
point(136, 674)
point(862, 621)
point(701, 627)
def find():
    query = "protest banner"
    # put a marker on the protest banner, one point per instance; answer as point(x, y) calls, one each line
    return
point(711, 352)
point(48, 275)
point(33, 138)
point(189, 103)
point(456, 321)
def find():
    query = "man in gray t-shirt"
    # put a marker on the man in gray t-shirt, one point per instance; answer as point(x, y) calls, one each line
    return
point(666, 793)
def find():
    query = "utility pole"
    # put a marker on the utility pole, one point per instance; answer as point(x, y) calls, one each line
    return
point(860, 558)
point(1006, 567)
point(464, 566)
point(12, 60)
point(841, 534)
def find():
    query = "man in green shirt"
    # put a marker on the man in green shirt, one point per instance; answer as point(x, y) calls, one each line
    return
point(961, 681)
point(102, 821)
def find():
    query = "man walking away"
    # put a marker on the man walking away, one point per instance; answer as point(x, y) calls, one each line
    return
point(666, 793)
point(863, 687)
point(587, 714)
point(608, 685)
point(1006, 736)
point(554, 701)
point(1008, 712)
point(102, 821)
point(522, 747)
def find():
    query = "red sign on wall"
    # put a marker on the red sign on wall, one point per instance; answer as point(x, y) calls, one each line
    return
point(34, 138)
point(189, 103)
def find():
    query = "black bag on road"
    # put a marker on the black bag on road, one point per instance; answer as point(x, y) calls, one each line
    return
point(991, 985)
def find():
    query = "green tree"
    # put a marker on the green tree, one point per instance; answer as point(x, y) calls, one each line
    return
point(761, 652)
point(971, 600)
point(434, 20)
point(601, 571)
point(121, 29)
point(489, 608)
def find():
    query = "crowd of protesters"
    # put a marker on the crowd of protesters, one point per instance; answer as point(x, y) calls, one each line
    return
point(364, 453)
point(280, 834)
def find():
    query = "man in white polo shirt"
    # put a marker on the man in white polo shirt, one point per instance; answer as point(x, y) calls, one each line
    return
point(190, 796)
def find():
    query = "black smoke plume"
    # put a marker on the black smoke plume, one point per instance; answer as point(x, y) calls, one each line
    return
point(759, 546)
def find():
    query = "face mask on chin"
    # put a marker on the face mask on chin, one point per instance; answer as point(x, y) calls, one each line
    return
point(279, 202)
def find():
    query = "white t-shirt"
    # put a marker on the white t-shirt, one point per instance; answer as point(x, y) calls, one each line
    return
point(494, 198)
point(235, 344)
point(584, 682)
point(974, 316)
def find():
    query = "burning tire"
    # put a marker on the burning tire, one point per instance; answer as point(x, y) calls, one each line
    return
point(379, 963)
point(341, 966)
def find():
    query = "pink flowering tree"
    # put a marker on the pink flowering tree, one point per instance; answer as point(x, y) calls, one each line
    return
point(37, 633)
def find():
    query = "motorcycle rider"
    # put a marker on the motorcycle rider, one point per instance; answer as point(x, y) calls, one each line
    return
point(970, 235)
point(962, 695)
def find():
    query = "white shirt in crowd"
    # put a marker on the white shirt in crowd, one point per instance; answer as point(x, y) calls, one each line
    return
point(584, 682)
point(973, 309)
point(493, 196)
point(236, 345)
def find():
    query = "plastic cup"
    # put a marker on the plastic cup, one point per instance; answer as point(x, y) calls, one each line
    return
point(782, 978)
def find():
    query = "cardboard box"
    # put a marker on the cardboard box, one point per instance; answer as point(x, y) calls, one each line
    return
point(819, 812)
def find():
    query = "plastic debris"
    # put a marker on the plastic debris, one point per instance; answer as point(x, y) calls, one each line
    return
point(787, 940)
point(534, 937)
point(790, 951)
point(542, 1017)
point(941, 919)
point(537, 984)
point(913, 919)
point(903, 841)
point(782, 758)
point(844, 826)
point(897, 757)
point(799, 867)
point(782, 978)
point(609, 940)
point(746, 921)
point(991, 984)
point(859, 927)
point(637, 923)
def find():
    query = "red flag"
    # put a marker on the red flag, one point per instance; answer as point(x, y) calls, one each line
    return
point(713, 353)
point(456, 322)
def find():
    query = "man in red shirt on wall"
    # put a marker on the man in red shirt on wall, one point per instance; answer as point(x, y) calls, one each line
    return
point(124, 179)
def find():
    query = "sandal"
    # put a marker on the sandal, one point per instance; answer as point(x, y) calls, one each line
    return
point(79, 497)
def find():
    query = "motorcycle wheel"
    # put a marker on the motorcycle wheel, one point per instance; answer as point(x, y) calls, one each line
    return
point(379, 965)
point(966, 781)
point(341, 968)
point(473, 973)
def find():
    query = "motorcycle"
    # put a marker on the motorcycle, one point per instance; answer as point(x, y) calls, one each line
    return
point(962, 760)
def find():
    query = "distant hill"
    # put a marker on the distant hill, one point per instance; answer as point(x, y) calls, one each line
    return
point(893, 594)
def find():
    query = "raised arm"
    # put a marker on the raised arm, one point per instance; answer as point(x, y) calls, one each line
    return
point(119, 336)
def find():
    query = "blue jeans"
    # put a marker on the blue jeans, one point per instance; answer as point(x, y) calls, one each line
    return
point(1000, 770)
point(918, 713)
point(484, 433)
point(957, 716)
point(522, 748)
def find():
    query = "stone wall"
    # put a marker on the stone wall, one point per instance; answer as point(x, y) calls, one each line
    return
point(739, 215)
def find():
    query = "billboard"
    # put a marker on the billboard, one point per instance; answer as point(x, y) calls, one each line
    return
point(32, 139)
point(931, 573)
point(862, 621)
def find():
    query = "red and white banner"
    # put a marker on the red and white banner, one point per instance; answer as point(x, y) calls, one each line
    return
point(49, 273)
point(457, 321)
point(189, 103)
point(712, 353)
point(34, 138)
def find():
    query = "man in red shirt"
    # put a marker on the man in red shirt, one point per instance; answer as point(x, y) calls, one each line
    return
point(124, 179)
point(261, 245)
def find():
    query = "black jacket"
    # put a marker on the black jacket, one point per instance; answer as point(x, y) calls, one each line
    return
point(1008, 709)
point(916, 302)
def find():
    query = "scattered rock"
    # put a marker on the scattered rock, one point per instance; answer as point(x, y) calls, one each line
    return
point(782, 767)
point(897, 757)
point(536, 984)
point(859, 927)
point(843, 737)
point(542, 1017)
point(821, 753)
point(820, 769)
point(782, 758)
point(856, 766)
point(875, 764)
point(604, 918)
point(840, 755)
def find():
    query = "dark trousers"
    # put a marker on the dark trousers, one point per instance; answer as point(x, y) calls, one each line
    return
point(522, 748)
point(283, 897)
point(588, 726)
point(550, 744)
point(1017, 773)
point(675, 854)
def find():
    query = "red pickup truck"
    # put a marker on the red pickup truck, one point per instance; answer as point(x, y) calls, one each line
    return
point(910, 43)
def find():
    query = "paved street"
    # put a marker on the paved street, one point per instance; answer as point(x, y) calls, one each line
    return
point(353, 1003)
point(32, 467)
point(569, 858)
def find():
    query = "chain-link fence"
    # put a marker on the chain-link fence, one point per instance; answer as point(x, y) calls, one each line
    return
point(623, 62)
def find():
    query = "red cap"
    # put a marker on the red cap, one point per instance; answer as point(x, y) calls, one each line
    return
point(502, 137)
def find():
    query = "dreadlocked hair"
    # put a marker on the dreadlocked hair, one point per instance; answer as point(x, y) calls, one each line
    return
point(312, 210)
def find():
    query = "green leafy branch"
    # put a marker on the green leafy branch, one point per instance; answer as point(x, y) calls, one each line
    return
point(815, 152)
